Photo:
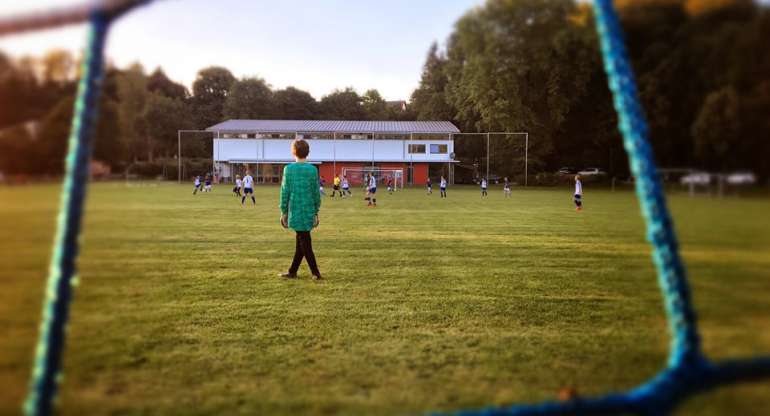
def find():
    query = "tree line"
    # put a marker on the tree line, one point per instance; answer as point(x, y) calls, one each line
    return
point(523, 65)
point(531, 65)
point(140, 113)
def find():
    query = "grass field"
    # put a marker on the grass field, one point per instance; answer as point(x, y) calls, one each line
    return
point(428, 304)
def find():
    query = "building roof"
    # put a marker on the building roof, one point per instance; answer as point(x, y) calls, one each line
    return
point(333, 126)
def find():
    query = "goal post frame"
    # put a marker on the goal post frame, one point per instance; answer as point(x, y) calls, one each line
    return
point(398, 174)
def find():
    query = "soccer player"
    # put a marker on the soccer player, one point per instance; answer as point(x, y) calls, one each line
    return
point(197, 184)
point(300, 203)
point(238, 184)
point(442, 187)
point(248, 188)
point(429, 185)
point(483, 187)
point(208, 183)
point(321, 183)
point(371, 191)
point(346, 186)
point(506, 187)
point(578, 194)
point(337, 182)
point(389, 181)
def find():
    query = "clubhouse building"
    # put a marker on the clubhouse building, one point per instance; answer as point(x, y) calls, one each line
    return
point(414, 149)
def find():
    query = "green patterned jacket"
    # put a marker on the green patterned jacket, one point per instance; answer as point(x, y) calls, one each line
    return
point(300, 196)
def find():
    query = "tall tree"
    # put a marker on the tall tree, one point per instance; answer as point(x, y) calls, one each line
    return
point(342, 105)
point(132, 92)
point(159, 82)
point(374, 105)
point(294, 104)
point(210, 91)
point(519, 66)
point(429, 100)
point(162, 117)
point(248, 98)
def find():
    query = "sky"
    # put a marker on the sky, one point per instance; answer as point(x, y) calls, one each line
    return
point(314, 45)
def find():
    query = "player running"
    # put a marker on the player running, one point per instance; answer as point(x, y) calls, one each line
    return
point(442, 187)
point(483, 187)
point(389, 181)
point(429, 185)
point(207, 183)
point(197, 185)
point(506, 187)
point(371, 191)
point(336, 184)
point(345, 187)
point(238, 184)
point(578, 194)
point(248, 188)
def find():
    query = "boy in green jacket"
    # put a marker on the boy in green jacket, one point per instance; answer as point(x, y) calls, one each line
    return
point(300, 202)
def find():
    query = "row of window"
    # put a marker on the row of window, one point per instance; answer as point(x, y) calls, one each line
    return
point(342, 136)
point(435, 149)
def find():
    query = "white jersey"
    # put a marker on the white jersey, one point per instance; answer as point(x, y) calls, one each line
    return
point(443, 183)
point(345, 183)
point(372, 182)
point(197, 181)
point(238, 183)
point(578, 188)
point(248, 182)
point(483, 183)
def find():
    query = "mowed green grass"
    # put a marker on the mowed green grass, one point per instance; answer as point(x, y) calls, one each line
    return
point(428, 304)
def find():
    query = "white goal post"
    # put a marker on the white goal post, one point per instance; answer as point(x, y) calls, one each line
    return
point(356, 175)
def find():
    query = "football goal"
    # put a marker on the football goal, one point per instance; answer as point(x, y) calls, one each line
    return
point(356, 176)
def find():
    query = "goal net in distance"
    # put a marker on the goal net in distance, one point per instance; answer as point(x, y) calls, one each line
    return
point(356, 176)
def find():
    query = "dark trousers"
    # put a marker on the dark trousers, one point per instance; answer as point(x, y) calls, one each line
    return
point(304, 248)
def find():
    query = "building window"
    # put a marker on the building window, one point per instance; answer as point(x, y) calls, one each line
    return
point(416, 148)
point(438, 149)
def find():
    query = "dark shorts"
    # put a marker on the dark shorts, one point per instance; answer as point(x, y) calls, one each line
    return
point(336, 187)
point(345, 188)
point(235, 188)
point(443, 189)
point(248, 191)
point(372, 190)
point(483, 189)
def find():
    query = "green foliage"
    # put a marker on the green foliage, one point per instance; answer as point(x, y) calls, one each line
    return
point(132, 95)
point(429, 100)
point(294, 104)
point(248, 98)
point(374, 105)
point(716, 130)
point(342, 105)
point(163, 116)
point(210, 91)
point(159, 82)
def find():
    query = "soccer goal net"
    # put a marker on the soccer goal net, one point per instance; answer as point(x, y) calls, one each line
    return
point(356, 176)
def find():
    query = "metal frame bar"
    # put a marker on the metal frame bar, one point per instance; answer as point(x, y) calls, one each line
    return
point(512, 133)
point(179, 148)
